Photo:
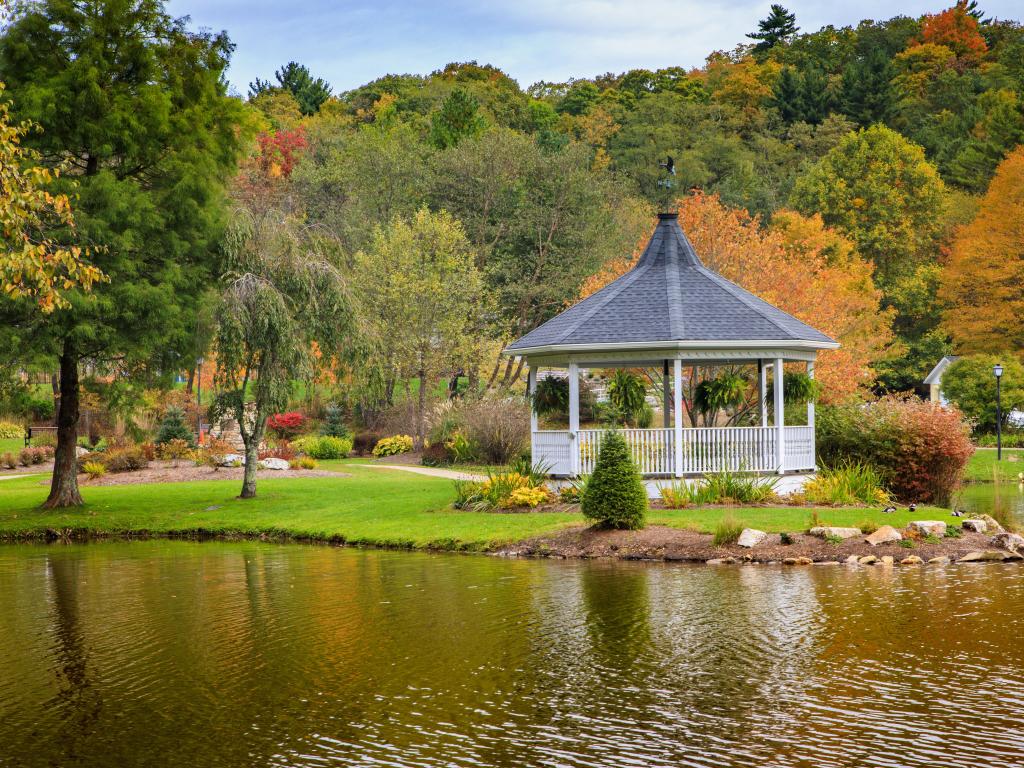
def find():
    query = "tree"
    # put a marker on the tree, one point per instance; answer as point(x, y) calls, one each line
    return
point(779, 27)
point(983, 282)
point(867, 94)
point(580, 97)
point(281, 295)
point(957, 29)
point(148, 136)
point(878, 188)
point(458, 118)
point(615, 496)
point(971, 385)
point(421, 292)
point(32, 264)
point(295, 78)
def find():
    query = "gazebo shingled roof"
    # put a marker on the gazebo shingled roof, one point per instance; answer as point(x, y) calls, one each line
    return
point(669, 297)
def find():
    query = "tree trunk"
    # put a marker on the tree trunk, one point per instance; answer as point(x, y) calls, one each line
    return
point(64, 485)
point(191, 380)
point(421, 406)
point(252, 460)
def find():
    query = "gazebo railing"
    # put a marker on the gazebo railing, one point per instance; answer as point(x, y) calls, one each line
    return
point(705, 449)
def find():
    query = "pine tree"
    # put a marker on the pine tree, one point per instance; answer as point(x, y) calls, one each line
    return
point(779, 27)
point(787, 96)
point(868, 96)
point(150, 136)
point(615, 496)
point(458, 118)
point(295, 78)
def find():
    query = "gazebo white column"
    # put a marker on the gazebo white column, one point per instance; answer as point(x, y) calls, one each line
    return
point(762, 390)
point(677, 380)
point(531, 384)
point(778, 376)
point(574, 417)
point(666, 400)
point(810, 403)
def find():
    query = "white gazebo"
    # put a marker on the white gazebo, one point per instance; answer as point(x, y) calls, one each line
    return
point(671, 312)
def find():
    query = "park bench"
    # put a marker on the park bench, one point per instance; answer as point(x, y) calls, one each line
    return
point(31, 432)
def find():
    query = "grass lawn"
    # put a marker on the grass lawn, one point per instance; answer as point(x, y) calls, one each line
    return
point(13, 445)
point(983, 467)
point(374, 506)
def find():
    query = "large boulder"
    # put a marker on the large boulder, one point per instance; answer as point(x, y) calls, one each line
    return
point(975, 525)
point(273, 463)
point(991, 524)
point(986, 556)
point(1008, 541)
point(751, 537)
point(825, 531)
point(884, 535)
point(928, 527)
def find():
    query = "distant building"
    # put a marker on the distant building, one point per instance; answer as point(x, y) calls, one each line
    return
point(934, 379)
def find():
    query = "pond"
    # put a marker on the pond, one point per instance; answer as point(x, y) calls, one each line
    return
point(246, 654)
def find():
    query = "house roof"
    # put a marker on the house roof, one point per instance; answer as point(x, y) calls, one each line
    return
point(669, 297)
point(935, 377)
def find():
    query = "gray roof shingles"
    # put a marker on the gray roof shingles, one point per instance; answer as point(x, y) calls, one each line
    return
point(669, 296)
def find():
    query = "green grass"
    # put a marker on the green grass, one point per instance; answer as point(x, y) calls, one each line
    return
point(373, 507)
point(382, 507)
point(13, 445)
point(983, 467)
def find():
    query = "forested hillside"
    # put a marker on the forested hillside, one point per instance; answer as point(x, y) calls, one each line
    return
point(868, 144)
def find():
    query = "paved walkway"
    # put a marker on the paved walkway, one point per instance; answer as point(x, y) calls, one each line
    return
point(431, 471)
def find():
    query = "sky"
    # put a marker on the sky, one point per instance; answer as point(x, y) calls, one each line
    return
point(352, 42)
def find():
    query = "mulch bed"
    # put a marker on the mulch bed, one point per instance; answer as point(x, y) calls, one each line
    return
point(662, 543)
point(167, 472)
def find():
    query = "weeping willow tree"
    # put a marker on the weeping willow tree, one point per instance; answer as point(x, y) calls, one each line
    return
point(280, 295)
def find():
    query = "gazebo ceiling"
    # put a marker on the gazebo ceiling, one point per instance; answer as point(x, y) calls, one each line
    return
point(670, 298)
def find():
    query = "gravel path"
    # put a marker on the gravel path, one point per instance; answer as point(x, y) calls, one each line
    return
point(431, 471)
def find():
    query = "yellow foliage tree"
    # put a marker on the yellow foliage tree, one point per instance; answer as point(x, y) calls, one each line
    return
point(799, 265)
point(32, 264)
point(983, 281)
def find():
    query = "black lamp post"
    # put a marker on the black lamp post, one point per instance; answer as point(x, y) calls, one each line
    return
point(997, 369)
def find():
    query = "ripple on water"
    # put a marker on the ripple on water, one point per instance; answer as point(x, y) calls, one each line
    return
point(165, 653)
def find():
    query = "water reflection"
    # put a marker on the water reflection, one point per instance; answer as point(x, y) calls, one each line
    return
point(164, 653)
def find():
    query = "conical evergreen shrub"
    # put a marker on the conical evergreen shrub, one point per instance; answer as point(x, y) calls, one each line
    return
point(173, 427)
point(615, 496)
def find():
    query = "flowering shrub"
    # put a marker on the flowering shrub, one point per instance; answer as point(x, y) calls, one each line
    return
point(29, 456)
point(392, 446)
point(286, 425)
point(525, 497)
point(327, 447)
point(283, 450)
point(11, 431)
point(918, 449)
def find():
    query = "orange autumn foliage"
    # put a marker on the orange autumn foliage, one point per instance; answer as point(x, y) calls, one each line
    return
point(956, 29)
point(983, 282)
point(800, 266)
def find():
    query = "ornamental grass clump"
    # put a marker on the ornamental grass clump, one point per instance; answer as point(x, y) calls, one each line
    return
point(728, 531)
point(847, 484)
point(615, 496)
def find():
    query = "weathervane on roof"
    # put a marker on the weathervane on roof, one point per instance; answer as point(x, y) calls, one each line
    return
point(670, 168)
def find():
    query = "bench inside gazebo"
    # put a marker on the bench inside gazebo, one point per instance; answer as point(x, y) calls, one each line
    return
point(672, 313)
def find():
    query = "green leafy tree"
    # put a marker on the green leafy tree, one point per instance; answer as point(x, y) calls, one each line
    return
point(615, 496)
point(779, 27)
point(580, 97)
point(971, 385)
point(148, 135)
point(458, 118)
point(879, 189)
point(309, 92)
point(281, 294)
point(421, 292)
